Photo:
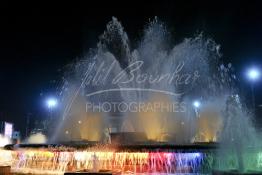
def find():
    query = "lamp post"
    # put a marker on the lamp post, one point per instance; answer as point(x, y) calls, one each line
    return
point(253, 75)
point(51, 103)
point(196, 105)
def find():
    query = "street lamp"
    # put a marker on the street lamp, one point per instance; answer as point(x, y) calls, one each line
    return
point(196, 104)
point(51, 103)
point(253, 75)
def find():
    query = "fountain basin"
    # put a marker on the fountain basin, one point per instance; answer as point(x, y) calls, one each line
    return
point(149, 158)
point(86, 158)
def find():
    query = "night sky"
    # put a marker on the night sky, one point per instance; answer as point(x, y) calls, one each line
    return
point(38, 40)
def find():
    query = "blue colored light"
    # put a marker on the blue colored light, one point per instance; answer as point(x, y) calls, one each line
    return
point(196, 104)
point(253, 74)
point(51, 102)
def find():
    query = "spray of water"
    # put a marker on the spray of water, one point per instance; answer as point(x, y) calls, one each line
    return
point(115, 72)
point(4, 141)
point(192, 69)
point(37, 138)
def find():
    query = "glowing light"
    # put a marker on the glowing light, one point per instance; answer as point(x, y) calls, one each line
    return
point(37, 138)
point(60, 160)
point(6, 157)
point(8, 130)
point(253, 74)
point(51, 102)
point(4, 141)
point(196, 104)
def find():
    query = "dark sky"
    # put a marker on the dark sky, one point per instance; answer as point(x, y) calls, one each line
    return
point(37, 40)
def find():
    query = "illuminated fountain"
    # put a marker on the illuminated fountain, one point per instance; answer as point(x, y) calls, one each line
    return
point(52, 161)
point(155, 73)
point(161, 132)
